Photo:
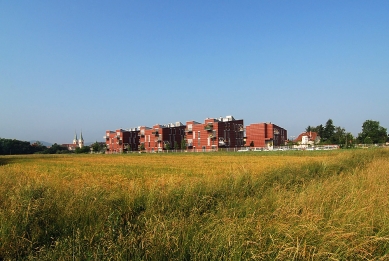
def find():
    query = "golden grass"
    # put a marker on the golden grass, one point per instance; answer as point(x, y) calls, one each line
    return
point(231, 206)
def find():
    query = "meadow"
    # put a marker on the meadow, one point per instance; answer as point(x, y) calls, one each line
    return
point(322, 205)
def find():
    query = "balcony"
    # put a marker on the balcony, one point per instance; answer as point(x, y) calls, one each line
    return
point(156, 133)
point(208, 127)
point(141, 134)
point(189, 130)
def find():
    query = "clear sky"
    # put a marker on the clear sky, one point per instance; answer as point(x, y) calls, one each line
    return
point(68, 66)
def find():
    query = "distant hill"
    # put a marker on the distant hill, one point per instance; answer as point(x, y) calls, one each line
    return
point(44, 143)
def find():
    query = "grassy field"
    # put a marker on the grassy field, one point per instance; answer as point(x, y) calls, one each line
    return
point(322, 205)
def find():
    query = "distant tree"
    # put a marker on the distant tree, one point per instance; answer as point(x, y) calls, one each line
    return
point(56, 149)
point(97, 147)
point(84, 149)
point(12, 146)
point(372, 130)
point(339, 136)
point(368, 140)
point(183, 144)
point(175, 145)
point(349, 142)
point(38, 147)
point(167, 146)
point(328, 131)
point(319, 130)
point(309, 128)
point(142, 147)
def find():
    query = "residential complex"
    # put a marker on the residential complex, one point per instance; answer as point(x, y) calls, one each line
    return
point(265, 135)
point(122, 140)
point(211, 135)
point(215, 133)
point(162, 137)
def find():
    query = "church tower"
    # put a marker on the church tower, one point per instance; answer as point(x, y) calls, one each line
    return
point(75, 140)
point(81, 141)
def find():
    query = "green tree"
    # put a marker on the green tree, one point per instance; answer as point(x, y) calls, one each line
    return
point(374, 131)
point(142, 147)
point(368, 140)
point(309, 128)
point(183, 144)
point(38, 147)
point(319, 129)
point(349, 142)
point(84, 149)
point(328, 131)
point(97, 147)
point(12, 146)
point(339, 136)
point(56, 149)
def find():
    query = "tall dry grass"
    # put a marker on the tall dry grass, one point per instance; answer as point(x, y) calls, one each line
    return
point(285, 206)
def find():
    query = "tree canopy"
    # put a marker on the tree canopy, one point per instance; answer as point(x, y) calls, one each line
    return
point(372, 132)
point(331, 134)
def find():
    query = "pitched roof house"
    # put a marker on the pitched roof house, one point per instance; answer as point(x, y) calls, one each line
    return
point(308, 138)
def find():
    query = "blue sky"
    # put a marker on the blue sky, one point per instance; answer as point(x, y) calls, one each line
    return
point(68, 66)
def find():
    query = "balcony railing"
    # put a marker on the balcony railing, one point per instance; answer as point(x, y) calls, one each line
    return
point(208, 127)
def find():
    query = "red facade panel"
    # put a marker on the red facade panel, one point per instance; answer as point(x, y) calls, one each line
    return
point(120, 141)
point(214, 134)
point(265, 135)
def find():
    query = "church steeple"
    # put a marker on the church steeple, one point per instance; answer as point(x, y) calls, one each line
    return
point(81, 141)
point(75, 140)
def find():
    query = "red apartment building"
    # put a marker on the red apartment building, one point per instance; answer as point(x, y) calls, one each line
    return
point(161, 137)
point(122, 140)
point(214, 134)
point(265, 135)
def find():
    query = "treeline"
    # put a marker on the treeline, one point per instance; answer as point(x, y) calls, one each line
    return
point(12, 147)
point(372, 133)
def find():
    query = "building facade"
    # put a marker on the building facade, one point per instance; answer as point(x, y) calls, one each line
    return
point(214, 134)
point(307, 139)
point(211, 135)
point(120, 141)
point(265, 135)
point(162, 137)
